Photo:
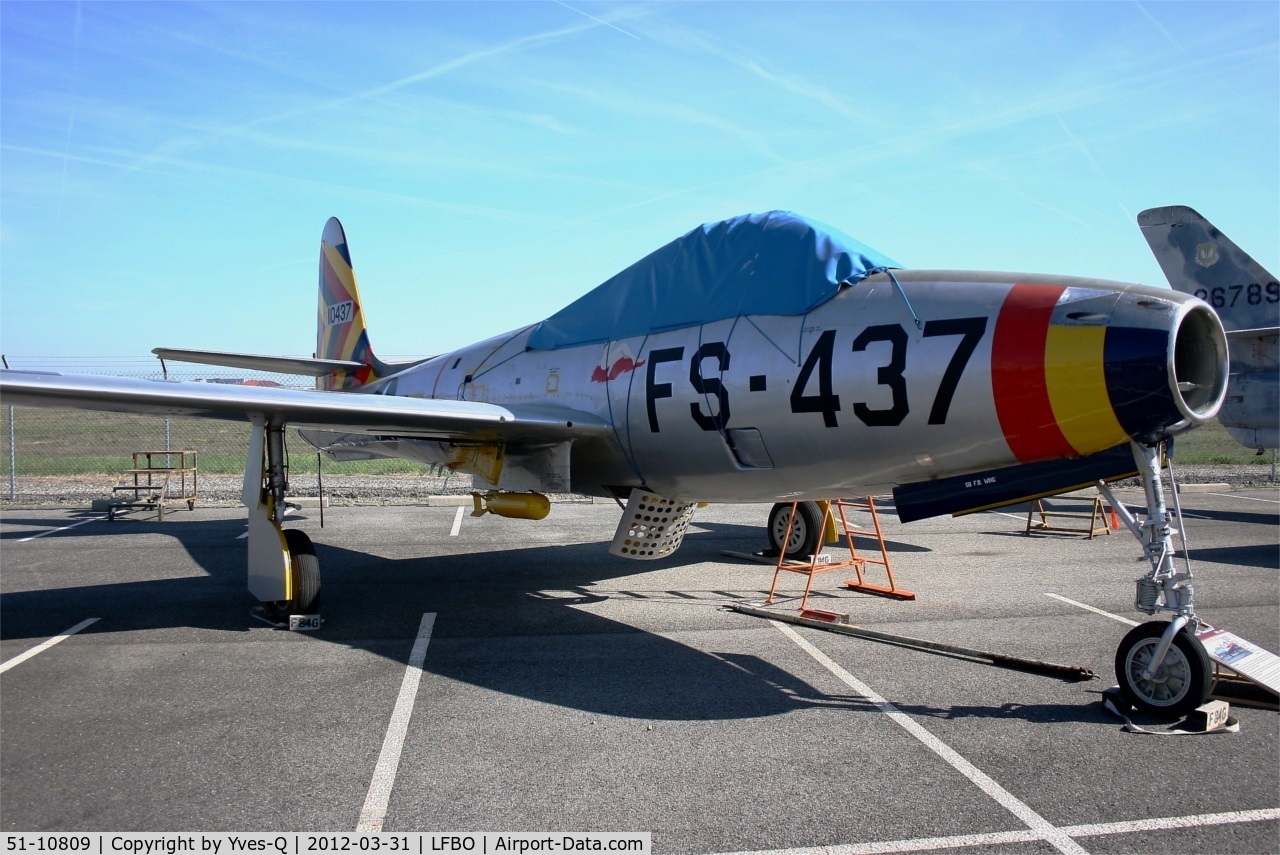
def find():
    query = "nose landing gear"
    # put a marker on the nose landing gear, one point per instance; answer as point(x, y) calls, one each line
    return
point(1161, 667)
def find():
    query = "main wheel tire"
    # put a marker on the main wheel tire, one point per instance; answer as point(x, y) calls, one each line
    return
point(306, 572)
point(806, 530)
point(1180, 684)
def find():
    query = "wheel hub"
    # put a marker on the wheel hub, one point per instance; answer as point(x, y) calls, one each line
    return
point(1170, 680)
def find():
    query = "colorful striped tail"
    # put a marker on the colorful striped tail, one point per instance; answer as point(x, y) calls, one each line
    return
point(341, 331)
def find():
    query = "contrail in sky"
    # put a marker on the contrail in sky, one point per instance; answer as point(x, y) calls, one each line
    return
point(598, 20)
point(1159, 26)
point(71, 119)
point(1093, 161)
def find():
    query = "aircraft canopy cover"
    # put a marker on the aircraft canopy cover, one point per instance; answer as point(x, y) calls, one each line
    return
point(776, 263)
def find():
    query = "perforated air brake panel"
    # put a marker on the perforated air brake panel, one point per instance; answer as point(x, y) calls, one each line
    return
point(651, 527)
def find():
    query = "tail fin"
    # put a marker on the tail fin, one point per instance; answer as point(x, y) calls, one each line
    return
point(1198, 259)
point(340, 331)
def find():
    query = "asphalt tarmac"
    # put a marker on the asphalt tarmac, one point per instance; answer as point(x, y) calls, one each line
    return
point(563, 689)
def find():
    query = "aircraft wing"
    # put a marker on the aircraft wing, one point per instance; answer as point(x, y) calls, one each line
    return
point(279, 364)
point(340, 411)
point(256, 362)
point(1257, 332)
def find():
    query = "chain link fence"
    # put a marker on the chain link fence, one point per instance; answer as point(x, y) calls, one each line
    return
point(61, 456)
point(70, 457)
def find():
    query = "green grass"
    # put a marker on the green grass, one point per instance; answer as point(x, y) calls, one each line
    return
point(1211, 445)
point(81, 442)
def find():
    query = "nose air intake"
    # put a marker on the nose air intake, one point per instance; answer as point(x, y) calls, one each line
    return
point(1166, 379)
point(1199, 364)
point(1077, 371)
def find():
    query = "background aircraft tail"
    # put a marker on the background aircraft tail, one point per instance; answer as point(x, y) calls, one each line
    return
point(340, 329)
point(1198, 259)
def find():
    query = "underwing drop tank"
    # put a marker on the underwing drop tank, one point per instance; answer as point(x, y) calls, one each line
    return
point(518, 506)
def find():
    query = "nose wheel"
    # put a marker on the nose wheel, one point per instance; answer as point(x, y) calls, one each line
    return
point(1179, 683)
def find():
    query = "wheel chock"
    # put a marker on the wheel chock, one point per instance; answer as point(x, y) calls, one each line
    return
point(305, 623)
point(293, 623)
point(1209, 717)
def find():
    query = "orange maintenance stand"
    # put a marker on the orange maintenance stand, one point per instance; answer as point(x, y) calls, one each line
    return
point(816, 565)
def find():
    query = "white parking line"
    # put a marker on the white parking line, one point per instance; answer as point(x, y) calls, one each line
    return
point(56, 530)
point(1018, 517)
point(45, 645)
point(1249, 498)
point(1092, 609)
point(1042, 829)
point(997, 838)
point(374, 812)
point(457, 522)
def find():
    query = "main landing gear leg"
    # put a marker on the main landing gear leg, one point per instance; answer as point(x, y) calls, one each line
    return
point(1161, 666)
point(283, 571)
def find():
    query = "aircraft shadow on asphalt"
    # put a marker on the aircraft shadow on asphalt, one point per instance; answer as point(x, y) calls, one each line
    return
point(1262, 556)
point(39, 524)
point(1244, 517)
point(497, 628)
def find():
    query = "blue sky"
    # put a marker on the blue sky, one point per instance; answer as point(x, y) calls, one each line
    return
point(166, 168)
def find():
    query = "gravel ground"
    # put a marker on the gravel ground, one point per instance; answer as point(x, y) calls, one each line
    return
point(223, 490)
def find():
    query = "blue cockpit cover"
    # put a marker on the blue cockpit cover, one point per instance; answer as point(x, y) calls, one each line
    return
point(776, 263)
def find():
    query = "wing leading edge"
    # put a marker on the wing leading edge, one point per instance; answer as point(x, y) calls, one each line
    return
point(354, 413)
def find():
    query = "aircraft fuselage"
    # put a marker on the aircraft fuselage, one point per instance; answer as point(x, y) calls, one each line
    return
point(936, 374)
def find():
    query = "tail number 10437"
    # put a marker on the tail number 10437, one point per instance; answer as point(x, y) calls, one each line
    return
point(340, 313)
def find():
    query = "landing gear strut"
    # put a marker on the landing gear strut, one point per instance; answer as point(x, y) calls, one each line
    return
point(284, 573)
point(1161, 667)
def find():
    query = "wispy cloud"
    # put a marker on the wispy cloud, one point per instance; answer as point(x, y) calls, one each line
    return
point(217, 175)
point(71, 112)
point(1019, 191)
point(1164, 31)
point(602, 21)
point(736, 55)
point(1097, 167)
point(796, 85)
point(637, 106)
point(331, 104)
